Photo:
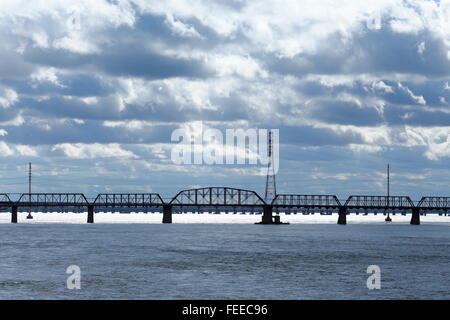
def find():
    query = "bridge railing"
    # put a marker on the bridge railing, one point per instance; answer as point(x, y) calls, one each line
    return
point(379, 202)
point(128, 200)
point(306, 201)
point(217, 196)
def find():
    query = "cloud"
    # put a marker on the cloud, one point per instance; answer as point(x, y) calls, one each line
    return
point(381, 86)
point(16, 150)
point(135, 62)
point(46, 75)
point(92, 151)
point(8, 97)
point(345, 113)
point(417, 99)
point(180, 28)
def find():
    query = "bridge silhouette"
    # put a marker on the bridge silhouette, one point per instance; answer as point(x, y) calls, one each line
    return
point(221, 199)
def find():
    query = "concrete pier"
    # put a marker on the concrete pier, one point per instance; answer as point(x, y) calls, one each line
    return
point(167, 213)
point(415, 216)
point(14, 214)
point(342, 216)
point(267, 217)
point(90, 216)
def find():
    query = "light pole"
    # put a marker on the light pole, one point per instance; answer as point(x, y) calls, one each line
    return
point(29, 216)
point(388, 218)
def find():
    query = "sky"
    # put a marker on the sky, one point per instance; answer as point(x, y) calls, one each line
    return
point(91, 92)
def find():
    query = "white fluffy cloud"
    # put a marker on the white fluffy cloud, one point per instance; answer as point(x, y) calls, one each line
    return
point(95, 150)
point(8, 97)
point(17, 150)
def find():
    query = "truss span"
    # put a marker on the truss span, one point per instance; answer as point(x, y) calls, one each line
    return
point(4, 198)
point(306, 201)
point(217, 196)
point(130, 200)
point(379, 202)
point(52, 200)
point(434, 203)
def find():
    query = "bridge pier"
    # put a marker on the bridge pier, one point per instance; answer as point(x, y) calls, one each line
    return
point(267, 217)
point(90, 216)
point(167, 213)
point(14, 214)
point(415, 216)
point(342, 219)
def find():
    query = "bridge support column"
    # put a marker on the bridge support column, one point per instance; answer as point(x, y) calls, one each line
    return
point(167, 213)
point(342, 215)
point(267, 217)
point(14, 214)
point(90, 217)
point(415, 217)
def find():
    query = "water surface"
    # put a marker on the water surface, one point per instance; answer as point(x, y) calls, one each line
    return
point(224, 261)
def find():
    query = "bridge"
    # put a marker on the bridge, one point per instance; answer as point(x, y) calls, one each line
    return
point(215, 198)
point(222, 199)
point(306, 201)
point(434, 203)
point(384, 203)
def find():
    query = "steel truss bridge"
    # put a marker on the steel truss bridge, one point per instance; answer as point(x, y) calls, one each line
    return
point(220, 199)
